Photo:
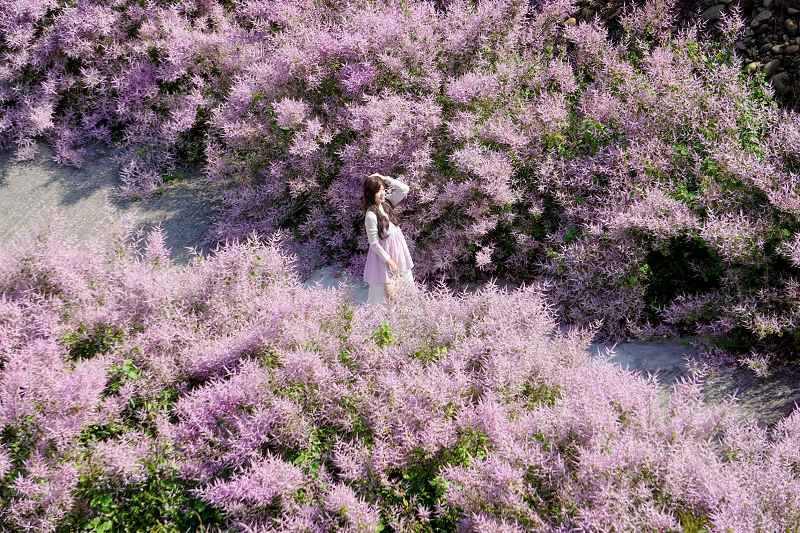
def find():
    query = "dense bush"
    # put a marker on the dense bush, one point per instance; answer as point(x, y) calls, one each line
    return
point(650, 179)
point(140, 396)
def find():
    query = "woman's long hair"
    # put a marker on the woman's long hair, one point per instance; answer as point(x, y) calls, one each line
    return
point(371, 186)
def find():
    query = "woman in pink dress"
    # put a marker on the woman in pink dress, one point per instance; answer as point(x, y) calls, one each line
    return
point(388, 251)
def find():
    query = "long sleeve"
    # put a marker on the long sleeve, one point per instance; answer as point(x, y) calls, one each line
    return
point(399, 190)
point(371, 225)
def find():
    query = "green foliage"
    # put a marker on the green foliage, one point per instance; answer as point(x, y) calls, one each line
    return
point(542, 496)
point(429, 352)
point(18, 440)
point(639, 277)
point(535, 394)
point(347, 359)
point(85, 343)
point(162, 503)
point(686, 265)
point(119, 374)
point(267, 357)
point(687, 193)
point(557, 142)
point(101, 432)
point(359, 426)
point(571, 234)
point(383, 335)
point(420, 482)
point(142, 411)
point(311, 458)
point(692, 522)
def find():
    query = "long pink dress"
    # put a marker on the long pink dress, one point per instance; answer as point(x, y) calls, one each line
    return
point(376, 270)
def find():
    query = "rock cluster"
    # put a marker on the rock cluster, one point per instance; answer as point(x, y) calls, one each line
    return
point(770, 41)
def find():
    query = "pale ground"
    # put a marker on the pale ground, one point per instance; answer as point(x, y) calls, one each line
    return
point(34, 193)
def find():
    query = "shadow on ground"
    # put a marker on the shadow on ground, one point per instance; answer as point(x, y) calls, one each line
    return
point(34, 193)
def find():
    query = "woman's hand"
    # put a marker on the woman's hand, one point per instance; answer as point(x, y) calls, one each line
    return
point(392, 265)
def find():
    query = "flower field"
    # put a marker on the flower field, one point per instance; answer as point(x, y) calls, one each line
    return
point(136, 395)
point(641, 186)
point(651, 180)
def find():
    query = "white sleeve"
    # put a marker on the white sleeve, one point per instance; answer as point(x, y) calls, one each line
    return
point(371, 225)
point(399, 190)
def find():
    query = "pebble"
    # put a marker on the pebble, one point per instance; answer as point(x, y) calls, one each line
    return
point(752, 67)
point(772, 67)
point(777, 49)
point(791, 25)
point(762, 16)
point(779, 82)
point(792, 49)
point(712, 13)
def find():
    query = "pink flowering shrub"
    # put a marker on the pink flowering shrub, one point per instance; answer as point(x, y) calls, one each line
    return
point(639, 175)
point(225, 394)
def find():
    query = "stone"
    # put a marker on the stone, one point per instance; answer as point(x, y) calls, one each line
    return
point(752, 67)
point(791, 25)
point(772, 67)
point(762, 16)
point(779, 81)
point(712, 13)
point(792, 49)
point(766, 3)
point(570, 21)
point(792, 10)
point(777, 49)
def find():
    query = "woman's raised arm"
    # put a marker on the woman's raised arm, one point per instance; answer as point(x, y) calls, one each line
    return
point(399, 190)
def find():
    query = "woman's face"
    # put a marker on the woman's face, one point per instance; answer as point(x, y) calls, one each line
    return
point(380, 195)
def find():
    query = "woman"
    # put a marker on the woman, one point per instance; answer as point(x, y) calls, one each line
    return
point(388, 251)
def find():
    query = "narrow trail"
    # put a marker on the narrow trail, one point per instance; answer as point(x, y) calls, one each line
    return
point(35, 193)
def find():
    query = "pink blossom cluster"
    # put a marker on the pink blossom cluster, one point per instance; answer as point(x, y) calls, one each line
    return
point(633, 173)
point(292, 410)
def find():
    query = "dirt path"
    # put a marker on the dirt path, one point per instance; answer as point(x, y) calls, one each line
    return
point(37, 192)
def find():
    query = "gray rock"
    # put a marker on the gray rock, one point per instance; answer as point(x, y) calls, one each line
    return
point(791, 49)
point(712, 13)
point(780, 82)
point(772, 67)
point(763, 16)
point(792, 10)
point(777, 49)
